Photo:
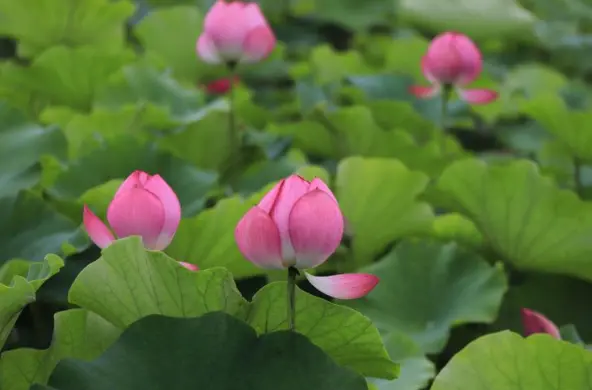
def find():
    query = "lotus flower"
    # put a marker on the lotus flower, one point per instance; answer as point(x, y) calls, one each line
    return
point(235, 32)
point(221, 86)
point(534, 322)
point(299, 224)
point(144, 206)
point(453, 60)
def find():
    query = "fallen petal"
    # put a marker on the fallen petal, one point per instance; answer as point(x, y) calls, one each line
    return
point(345, 286)
point(98, 232)
point(478, 96)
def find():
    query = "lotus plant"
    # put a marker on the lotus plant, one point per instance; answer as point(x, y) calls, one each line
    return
point(534, 322)
point(452, 62)
point(297, 226)
point(144, 205)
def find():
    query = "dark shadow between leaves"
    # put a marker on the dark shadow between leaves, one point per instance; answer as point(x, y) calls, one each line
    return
point(212, 352)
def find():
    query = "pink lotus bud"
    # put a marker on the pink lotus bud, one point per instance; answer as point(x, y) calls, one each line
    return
point(235, 32)
point(534, 322)
point(144, 206)
point(189, 266)
point(453, 59)
point(299, 223)
point(221, 86)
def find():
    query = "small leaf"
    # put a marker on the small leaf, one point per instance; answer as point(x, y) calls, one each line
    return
point(506, 361)
point(207, 239)
point(178, 24)
point(78, 334)
point(21, 292)
point(128, 283)
point(378, 198)
point(427, 288)
point(30, 228)
point(41, 24)
point(213, 352)
point(23, 144)
point(522, 215)
point(344, 334)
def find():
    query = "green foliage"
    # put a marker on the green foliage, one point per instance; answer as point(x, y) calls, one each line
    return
point(466, 213)
point(213, 359)
point(506, 360)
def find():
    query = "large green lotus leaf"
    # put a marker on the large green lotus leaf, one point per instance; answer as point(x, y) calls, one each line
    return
point(213, 352)
point(207, 239)
point(145, 86)
point(78, 333)
point(66, 76)
point(506, 361)
point(21, 291)
point(378, 198)
point(343, 333)
point(23, 145)
point(204, 142)
point(128, 283)
point(570, 127)
point(41, 24)
point(416, 369)
point(354, 14)
point(523, 216)
point(86, 132)
point(118, 158)
point(30, 228)
point(427, 288)
point(476, 18)
point(181, 25)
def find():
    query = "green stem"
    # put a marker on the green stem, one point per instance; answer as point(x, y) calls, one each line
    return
point(232, 130)
point(292, 274)
point(578, 176)
point(446, 94)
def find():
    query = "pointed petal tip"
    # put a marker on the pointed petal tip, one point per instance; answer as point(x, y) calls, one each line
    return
point(534, 322)
point(344, 286)
point(478, 96)
point(422, 92)
point(98, 232)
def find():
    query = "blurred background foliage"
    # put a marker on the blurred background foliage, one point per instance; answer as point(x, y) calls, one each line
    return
point(91, 90)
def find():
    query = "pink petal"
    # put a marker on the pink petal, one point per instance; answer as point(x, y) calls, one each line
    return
point(478, 96)
point(534, 322)
point(258, 44)
point(136, 179)
point(318, 184)
point(207, 51)
point(258, 239)
point(315, 228)
point(424, 92)
point(189, 266)
point(278, 204)
point(172, 209)
point(345, 286)
point(137, 212)
point(98, 232)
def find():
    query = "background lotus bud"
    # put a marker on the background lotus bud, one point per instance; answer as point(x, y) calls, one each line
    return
point(144, 206)
point(235, 32)
point(534, 322)
point(221, 86)
point(299, 224)
point(453, 60)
